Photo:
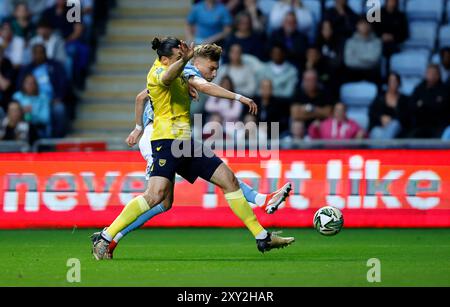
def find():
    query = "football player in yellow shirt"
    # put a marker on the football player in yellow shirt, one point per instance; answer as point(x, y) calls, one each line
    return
point(173, 149)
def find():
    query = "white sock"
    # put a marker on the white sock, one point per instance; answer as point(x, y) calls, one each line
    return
point(106, 236)
point(118, 237)
point(262, 235)
point(260, 199)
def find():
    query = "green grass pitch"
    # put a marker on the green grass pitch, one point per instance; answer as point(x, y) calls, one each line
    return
point(228, 257)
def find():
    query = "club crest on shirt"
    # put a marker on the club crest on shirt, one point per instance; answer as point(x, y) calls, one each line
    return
point(159, 70)
point(162, 162)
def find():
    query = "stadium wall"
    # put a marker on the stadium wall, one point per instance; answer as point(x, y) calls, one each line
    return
point(374, 188)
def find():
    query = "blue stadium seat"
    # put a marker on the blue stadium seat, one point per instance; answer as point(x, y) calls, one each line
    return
point(425, 10)
point(358, 96)
point(436, 58)
point(422, 34)
point(355, 5)
point(410, 63)
point(444, 36)
point(315, 8)
point(409, 84)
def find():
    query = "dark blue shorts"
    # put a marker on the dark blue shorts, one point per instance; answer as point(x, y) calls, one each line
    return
point(186, 158)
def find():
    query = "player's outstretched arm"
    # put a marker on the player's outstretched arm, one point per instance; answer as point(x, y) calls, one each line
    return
point(215, 90)
point(139, 106)
point(185, 55)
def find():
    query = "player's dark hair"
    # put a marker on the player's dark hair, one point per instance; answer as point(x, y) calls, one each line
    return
point(164, 46)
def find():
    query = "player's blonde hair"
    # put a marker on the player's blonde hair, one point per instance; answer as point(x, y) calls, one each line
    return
point(209, 51)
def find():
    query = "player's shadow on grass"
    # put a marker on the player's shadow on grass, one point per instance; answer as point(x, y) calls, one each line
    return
point(261, 258)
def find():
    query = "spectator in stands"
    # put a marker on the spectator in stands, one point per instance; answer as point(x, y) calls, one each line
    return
point(37, 7)
point(6, 80)
point(243, 35)
point(430, 106)
point(284, 76)
point(293, 41)
point(228, 110)
point(233, 6)
point(5, 10)
point(295, 133)
point(248, 6)
point(444, 65)
point(242, 75)
point(315, 61)
point(362, 54)
point(208, 22)
point(393, 27)
point(332, 54)
point(250, 133)
point(271, 109)
point(88, 18)
point(257, 17)
point(56, 15)
point(388, 113)
point(14, 46)
point(305, 21)
point(342, 19)
point(36, 107)
point(53, 42)
point(51, 78)
point(13, 127)
point(311, 102)
point(72, 32)
point(21, 22)
point(337, 127)
point(330, 46)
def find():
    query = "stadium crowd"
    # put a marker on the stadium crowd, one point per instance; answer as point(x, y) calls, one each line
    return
point(318, 67)
point(44, 61)
point(323, 71)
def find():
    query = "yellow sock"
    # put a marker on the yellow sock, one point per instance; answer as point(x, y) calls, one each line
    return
point(129, 214)
point(242, 209)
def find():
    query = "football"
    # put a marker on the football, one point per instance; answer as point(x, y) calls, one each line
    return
point(328, 221)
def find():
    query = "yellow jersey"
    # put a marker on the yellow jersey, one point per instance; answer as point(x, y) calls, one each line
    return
point(171, 105)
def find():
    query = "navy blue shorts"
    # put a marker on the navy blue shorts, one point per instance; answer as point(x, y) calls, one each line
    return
point(186, 158)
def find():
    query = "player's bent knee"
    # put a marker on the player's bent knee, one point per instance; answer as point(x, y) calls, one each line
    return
point(231, 183)
point(155, 196)
point(234, 183)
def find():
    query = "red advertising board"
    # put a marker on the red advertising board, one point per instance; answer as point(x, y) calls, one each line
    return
point(374, 188)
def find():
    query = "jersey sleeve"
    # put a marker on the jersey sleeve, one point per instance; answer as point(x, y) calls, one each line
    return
point(156, 76)
point(191, 71)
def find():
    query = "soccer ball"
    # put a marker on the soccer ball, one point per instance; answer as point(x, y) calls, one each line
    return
point(328, 220)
